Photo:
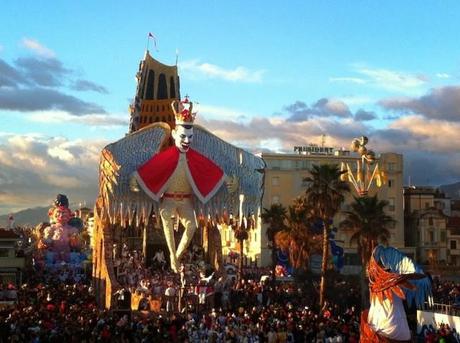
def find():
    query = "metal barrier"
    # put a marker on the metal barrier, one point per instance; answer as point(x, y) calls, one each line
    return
point(451, 310)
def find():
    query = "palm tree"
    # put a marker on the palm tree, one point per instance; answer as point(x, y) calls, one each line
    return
point(325, 194)
point(370, 223)
point(241, 232)
point(275, 217)
point(296, 238)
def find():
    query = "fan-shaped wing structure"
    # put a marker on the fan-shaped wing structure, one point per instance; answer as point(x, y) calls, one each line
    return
point(235, 162)
point(118, 161)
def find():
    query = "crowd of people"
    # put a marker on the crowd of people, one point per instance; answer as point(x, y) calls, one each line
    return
point(256, 312)
point(194, 306)
point(446, 292)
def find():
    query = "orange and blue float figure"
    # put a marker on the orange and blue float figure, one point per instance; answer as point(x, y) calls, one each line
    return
point(393, 277)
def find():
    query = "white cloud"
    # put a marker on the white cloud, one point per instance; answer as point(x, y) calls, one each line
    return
point(38, 48)
point(34, 168)
point(441, 139)
point(222, 113)
point(392, 80)
point(356, 80)
point(100, 120)
point(355, 100)
point(337, 106)
point(443, 76)
point(196, 69)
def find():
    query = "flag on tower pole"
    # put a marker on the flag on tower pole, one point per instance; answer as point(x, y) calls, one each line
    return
point(151, 35)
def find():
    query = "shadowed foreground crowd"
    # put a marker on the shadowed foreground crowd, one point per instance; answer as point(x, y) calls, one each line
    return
point(257, 311)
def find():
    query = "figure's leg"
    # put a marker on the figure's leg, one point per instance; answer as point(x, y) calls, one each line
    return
point(188, 220)
point(167, 209)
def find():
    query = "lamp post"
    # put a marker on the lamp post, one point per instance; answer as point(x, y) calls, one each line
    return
point(367, 169)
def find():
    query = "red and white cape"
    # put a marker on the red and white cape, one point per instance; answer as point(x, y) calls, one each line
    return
point(204, 176)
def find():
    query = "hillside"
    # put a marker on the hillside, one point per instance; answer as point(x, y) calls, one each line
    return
point(452, 190)
point(30, 216)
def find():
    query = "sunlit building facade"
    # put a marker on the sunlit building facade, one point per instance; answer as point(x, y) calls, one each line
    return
point(284, 177)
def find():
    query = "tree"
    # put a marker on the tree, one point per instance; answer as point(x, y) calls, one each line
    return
point(325, 194)
point(370, 223)
point(296, 238)
point(241, 232)
point(275, 217)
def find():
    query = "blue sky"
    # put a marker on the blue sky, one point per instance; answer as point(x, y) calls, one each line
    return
point(267, 76)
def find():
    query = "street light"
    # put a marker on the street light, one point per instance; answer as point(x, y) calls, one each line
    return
point(367, 170)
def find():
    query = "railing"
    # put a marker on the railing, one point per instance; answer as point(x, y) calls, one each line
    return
point(451, 310)
point(12, 262)
point(441, 269)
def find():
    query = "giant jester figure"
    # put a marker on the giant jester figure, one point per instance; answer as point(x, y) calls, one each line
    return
point(393, 277)
point(171, 177)
point(144, 176)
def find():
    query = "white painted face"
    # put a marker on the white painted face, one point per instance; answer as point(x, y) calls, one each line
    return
point(182, 137)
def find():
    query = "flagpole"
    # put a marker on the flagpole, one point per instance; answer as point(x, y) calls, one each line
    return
point(148, 40)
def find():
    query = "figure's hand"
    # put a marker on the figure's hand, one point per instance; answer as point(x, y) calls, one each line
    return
point(133, 185)
point(232, 183)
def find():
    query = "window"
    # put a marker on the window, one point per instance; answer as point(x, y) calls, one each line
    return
point(430, 221)
point(4, 252)
point(427, 205)
point(391, 204)
point(162, 87)
point(172, 88)
point(431, 236)
point(286, 164)
point(275, 199)
point(453, 245)
point(391, 166)
point(150, 85)
point(274, 164)
point(275, 181)
point(443, 236)
point(390, 183)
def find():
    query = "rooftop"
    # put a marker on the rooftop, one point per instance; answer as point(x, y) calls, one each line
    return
point(8, 234)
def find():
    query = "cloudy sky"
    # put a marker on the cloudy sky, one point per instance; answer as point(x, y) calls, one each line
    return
point(266, 78)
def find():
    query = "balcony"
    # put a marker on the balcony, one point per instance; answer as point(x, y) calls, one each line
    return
point(12, 262)
point(454, 252)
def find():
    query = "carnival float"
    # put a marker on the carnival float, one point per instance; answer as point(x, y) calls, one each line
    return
point(59, 251)
point(393, 278)
point(173, 175)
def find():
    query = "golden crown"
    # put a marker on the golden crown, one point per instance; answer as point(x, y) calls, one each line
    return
point(183, 111)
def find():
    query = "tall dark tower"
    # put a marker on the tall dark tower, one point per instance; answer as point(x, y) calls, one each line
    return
point(157, 86)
